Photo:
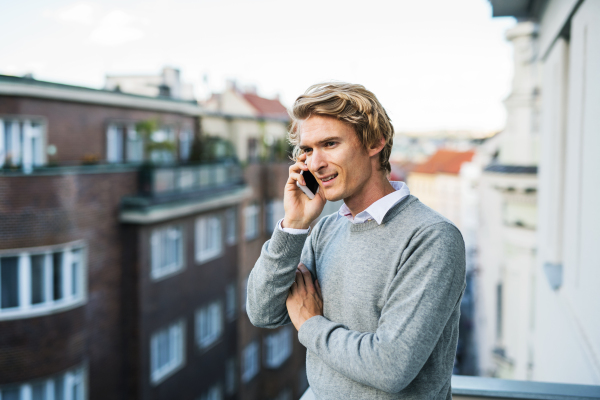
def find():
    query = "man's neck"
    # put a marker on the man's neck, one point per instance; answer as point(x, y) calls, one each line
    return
point(373, 190)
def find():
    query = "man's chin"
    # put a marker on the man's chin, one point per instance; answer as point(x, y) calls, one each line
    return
point(333, 195)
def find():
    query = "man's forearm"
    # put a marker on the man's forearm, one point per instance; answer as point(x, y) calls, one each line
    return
point(271, 278)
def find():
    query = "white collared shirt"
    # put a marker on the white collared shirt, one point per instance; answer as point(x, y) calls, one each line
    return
point(376, 211)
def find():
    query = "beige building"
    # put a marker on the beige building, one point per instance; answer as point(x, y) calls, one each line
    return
point(256, 126)
point(437, 183)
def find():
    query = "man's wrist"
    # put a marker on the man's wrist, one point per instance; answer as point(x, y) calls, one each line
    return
point(292, 224)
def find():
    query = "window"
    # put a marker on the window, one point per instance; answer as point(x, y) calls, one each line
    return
point(41, 281)
point(163, 141)
point(68, 385)
point(114, 143)
point(273, 213)
point(186, 139)
point(231, 222)
point(252, 149)
point(278, 347)
point(214, 393)
point(209, 241)
point(167, 251)
point(21, 143)
point(230, 380)
point(167, 351)
point(251, 362)
point(230, 301)
point(135, 145)
point(251, 218)
point(209, 324)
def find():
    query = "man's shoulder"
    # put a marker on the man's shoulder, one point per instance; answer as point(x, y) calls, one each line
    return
point(416, 215)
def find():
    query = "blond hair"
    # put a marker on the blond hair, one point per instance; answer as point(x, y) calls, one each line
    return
point(350, 103)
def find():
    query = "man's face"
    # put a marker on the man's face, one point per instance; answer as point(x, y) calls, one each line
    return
point(335, 156)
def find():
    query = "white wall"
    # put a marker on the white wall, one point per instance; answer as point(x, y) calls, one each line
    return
point(567, 326)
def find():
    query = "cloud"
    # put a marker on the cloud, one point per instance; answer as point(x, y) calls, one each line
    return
point(81, 13)
point(116, 29)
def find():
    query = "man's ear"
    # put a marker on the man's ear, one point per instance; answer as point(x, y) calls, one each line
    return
point(377, 147)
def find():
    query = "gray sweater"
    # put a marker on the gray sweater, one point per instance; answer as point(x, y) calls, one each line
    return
point(391, 302)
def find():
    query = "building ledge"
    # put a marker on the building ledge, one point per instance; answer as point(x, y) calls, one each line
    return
point(141, 210)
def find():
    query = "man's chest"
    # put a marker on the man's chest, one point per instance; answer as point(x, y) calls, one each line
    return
point(354, 276)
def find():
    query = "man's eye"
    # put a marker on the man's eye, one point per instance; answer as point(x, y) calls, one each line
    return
point(329, 144)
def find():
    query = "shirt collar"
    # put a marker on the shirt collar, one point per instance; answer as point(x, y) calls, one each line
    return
point(380, 208)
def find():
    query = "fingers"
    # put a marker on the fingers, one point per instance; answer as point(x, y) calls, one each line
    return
point(307, 278)
point(318, 286)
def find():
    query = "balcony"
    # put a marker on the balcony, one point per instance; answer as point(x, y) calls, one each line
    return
point(172, 191)
point(479, 388)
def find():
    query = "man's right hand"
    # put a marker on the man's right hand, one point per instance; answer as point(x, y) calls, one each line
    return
point(300, 211)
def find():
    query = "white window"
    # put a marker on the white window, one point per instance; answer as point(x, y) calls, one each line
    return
point(251, 217)
point(68, 385)
point(41, 281)
point(209, 239)
point(273, 213)
point(163, 141)
point(278, 347)
point(230, 301)
point(209, 324)
point(114, 143)
point(231, 226)
point(250, 361)
point(135, 145)
point(166, 245)
point(167, 351)
point(21, 143)
point(185, 144)
point(230, 379)
point(214, 393)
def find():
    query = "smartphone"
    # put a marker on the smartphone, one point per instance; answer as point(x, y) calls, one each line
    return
point(312, 186)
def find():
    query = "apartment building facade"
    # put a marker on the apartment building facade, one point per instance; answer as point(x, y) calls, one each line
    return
point(119, 257)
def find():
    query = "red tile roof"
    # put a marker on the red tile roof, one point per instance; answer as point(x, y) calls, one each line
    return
point(266, 107)
point(445, 161)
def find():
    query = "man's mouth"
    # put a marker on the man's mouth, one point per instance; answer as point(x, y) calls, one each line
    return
point(328, 178)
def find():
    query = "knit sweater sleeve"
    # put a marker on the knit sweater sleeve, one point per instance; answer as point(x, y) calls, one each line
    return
point(273, 274)
point(428, 286)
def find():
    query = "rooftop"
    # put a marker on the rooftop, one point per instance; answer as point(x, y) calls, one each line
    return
point(445, 162)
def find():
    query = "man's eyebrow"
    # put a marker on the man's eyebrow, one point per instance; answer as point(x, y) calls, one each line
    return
point(327, 139)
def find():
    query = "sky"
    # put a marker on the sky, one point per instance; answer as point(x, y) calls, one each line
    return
point(433, 64)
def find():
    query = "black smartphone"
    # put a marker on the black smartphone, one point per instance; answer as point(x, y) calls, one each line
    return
point(312, 186)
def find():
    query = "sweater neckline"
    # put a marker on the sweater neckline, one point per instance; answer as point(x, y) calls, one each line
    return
point(395, 210)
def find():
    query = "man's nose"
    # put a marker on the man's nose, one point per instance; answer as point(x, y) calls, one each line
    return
point(317, 161)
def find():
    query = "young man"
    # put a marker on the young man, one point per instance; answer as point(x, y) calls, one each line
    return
point(380, 320)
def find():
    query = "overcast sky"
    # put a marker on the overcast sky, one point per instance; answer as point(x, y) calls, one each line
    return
point(434, 64)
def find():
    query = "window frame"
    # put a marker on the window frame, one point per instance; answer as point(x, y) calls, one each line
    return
point(24, 130)
point(176, 344)
point(278, 347)
point(157, 272)
point(251, 214)
point(69, 299)
point(212, 315)
point(202, 225)
point(71, 379)
point(250, 353)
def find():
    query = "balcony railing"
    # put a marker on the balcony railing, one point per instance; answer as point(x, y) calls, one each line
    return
point(168, 180)
point(479, 388)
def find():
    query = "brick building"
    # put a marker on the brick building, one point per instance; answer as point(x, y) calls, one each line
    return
point(122, 263)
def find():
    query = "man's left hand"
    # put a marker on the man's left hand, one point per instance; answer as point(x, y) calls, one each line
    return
point(305, 299)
